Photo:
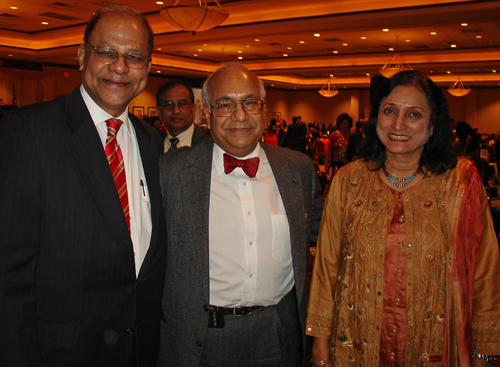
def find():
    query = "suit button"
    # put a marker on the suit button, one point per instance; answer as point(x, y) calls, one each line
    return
point(198, 343)
point(110, 337)
point(205, 308)
point(130, 331)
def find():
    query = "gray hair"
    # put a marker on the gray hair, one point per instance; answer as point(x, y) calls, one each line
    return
point(228, 66)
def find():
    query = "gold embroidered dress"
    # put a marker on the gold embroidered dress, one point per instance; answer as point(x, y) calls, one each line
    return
point(395, 280)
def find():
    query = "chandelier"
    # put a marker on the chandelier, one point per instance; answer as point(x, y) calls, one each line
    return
point(459, 89)
point(194, 18)
point(395, 65)
point(330, 90)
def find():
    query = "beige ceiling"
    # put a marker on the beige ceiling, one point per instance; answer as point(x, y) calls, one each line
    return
point(352, 29)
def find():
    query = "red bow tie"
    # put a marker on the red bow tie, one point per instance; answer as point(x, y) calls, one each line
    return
point(249, 166)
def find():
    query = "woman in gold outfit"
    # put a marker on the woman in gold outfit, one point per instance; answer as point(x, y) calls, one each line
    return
point(407, 269)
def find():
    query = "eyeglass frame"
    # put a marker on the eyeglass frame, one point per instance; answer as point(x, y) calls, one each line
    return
point(183, 108)
point(148, 58)
point(236, 106)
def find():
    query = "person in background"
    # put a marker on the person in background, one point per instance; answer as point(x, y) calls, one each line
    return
point(175, 101)
point(239, 215)
point(272, 133)
point(406, 269)
point(82, 255)
point(337, 145)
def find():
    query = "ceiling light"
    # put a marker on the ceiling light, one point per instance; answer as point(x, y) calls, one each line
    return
point(317, 35)
point(159, 2)
point(205, 44)
point(45, 23)
point(448, 72)
point(395, 65)
point(479, 36)
point(391, 49)
point(194, 17)
point(199, 50)
point(257, 40)
point(385, 30)
point(195, 54)
point(13, 7)
point(158, 49)
point(10, 55)
point(363, 38)
point(158, 71)
point(288, 48)
point(328, 90)
point(247, 46)
point(407, 40)
point(335, 52)
point(240, 52)
point(493, 71)
point(240, 58)
point(272, 85)
point(433, 33)
point(301, 42)
point(367, 74)
point(344, 44)
point(285, 55)
point(464, 24)
point(331, 75)
point(453, 46)
point(459, 89)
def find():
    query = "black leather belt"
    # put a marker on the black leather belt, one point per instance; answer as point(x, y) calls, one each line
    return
point(216, 314)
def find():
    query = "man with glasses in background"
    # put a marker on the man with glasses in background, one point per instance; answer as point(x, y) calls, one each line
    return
point(177, 110)
point(82, 244)
point(239, 217)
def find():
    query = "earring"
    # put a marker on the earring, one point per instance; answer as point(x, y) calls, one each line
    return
point(431, 133)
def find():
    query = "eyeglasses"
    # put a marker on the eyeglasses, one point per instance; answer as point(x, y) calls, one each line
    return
point(108, 56)
point(170, 106)
point(227, 108)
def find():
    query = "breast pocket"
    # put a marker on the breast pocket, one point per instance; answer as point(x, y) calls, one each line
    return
point(281, 237)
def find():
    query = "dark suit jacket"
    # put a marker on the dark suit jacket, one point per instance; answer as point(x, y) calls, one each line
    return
point(68, 290)
point(185, 180)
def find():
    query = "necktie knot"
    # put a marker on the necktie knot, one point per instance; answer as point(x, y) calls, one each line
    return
point(249, 166)
point(173, 143)
point(113, 126)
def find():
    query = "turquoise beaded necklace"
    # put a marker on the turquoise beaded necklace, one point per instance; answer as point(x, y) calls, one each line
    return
point(400, 182)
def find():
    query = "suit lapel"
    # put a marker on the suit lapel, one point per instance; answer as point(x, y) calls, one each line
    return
point(85, 146)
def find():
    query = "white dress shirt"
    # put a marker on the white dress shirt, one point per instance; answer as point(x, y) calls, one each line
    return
point(250, 254)
point(137, 189)
point(185, 138)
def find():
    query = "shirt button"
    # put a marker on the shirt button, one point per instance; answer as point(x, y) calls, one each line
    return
point(244, 183)
point(249, 275)
point(250, 243)
point(249, 213)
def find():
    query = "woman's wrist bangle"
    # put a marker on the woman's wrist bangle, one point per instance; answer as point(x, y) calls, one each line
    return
point(324, 362)
point(488, 359)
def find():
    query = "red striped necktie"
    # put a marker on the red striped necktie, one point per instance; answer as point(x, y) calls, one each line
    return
point(115, 160)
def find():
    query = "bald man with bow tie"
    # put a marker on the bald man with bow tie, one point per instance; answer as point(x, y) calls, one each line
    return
point(239, 217)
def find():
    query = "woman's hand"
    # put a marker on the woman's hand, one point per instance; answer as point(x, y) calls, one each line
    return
point(321, 351)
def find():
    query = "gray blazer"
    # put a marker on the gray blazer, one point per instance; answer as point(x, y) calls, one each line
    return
point(185, 177)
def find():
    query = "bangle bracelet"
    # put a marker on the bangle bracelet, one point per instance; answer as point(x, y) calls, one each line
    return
point(324, 362)
point(488, 359)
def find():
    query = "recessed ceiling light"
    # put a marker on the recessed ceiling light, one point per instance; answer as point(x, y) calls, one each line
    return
point(391, 49)
point(479, 36)
point(448, 72)
point(205, 44)
point(301, 42)
point(433, 33)
point(272, 85)
point(13, 7)
point(335, 52)
point(363, 38)
point(331, 75)
point(493, 71)
point(158, 49)
point(10, 55)
point(240, 57)
point(288, 48)
point(247, 46)
point(344, 44)
point(367, 74)
point(158, 71)
point(159, 2)
point(256, 40)
point(464, 24)
point(199, 50)
point(317, 35)
point(453, 46)
point(195, 55)
point(240, 52)
point(407, 40)
point(285, 55)
point(45, 23)
point(385, 30)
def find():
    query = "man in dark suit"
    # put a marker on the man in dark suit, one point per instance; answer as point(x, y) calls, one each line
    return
point(81, 247)
point(238, 235)
point(175, 101)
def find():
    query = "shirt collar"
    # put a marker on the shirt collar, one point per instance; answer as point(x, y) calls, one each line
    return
point(98, 114)
point(185, 133)
point(218, 159)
